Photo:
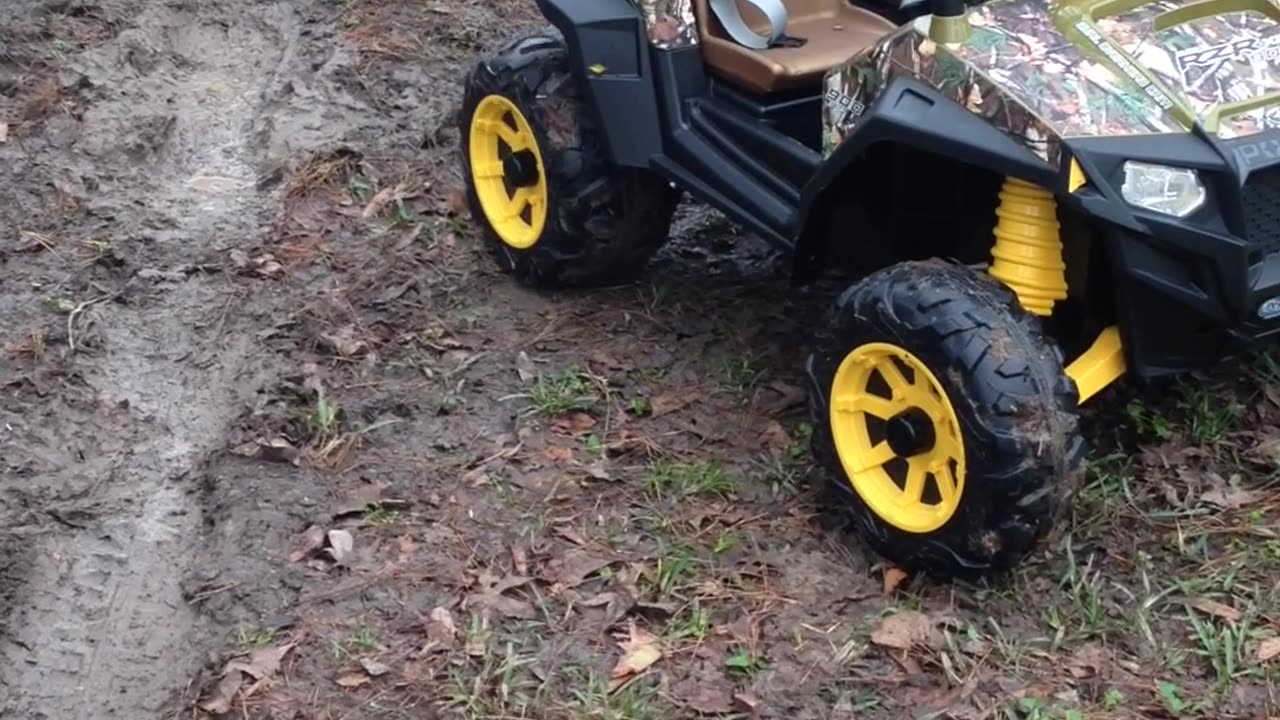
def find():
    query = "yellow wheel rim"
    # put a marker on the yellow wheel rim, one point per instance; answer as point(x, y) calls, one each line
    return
point(897, 437)
point(507, 172)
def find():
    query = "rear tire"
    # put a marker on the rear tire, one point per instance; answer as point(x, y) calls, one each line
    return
point(999, 385)
point(601, 223)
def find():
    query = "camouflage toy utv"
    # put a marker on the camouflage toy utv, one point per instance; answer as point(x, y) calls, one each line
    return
point(1037, 197)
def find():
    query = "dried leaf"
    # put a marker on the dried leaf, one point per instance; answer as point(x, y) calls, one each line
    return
point(312, 540)
point(441, 628)
point(340, 545)
point(599, 470)
point(893, 577)
point(379, 202)
point(1088, 660)
point(524, 367)
point(572, 569)
point(775, 438)
point(712, 700)
point(573, 423)
point(224, 695)
point(1268, 649)
point(905, 630)
point(344, 341)
point(1215, 608)
point(457, 201)
point(373, 667)
point(745, 702)
point(520, 558)
point(668, 402)
point(263, 662)
point(639, 651)
point(558, 454)
point(352, 680)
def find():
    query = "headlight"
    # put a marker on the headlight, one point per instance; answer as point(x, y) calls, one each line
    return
point(1168, 190)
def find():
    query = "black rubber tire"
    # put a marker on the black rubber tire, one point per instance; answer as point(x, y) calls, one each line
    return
point(604, 222)
point(1005, 379)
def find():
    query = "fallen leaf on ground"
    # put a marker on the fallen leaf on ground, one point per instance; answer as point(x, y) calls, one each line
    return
point(639, 651)
point(616, 605)
point(1087, 661)
point(712, 700)
point(4, 132)
point(344, 341)
point(273, 450)
point(893, 577)
point(379, 202)
point(524, 367)
point(906, 629)
point(669, 402)
point(263, 662)
point(573, 567)
point(340, 545)
point(599, 470)
point(745, 702)
point(440, 627)
point(1268, 649)
point(1215, 608)
point(352, 680)
point(457, 201)
point(374, 668)
point(222, 697)
point(312, 540)
point(558, 454)
point(1228, 496)
point(520, 559)
point(491, 596)
point(775, 438)
point(573, 423)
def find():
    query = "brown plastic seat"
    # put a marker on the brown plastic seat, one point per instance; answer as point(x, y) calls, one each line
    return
point(834, 29)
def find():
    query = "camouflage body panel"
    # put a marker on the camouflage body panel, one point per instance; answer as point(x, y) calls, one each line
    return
point(1042, 71)
point(670, 23)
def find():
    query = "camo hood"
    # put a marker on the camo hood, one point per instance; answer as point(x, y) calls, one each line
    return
point(1166, 65)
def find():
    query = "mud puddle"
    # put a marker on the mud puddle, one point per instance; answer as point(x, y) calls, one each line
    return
point(159, 131)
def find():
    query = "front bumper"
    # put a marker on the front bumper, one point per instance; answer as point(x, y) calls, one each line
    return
point(1189, 292)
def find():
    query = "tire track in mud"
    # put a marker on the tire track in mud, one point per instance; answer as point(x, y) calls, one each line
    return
point(173, 138)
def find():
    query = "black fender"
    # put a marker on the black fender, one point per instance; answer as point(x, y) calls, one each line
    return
point(912, 114)
point(609, 52)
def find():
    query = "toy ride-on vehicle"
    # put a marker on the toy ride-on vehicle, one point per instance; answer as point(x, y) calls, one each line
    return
point(1036, 196)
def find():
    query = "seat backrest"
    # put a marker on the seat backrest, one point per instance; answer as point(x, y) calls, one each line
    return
point(797, 10)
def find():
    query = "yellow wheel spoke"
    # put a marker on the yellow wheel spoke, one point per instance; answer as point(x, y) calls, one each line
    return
point(882, 408)
point(946, 483)
point(875, 457)
point(514, 139)
point(892, 375)
point(487, 170)
point(913, 490)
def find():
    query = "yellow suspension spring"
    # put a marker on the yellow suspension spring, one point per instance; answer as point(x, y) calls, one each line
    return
point(1027, 255)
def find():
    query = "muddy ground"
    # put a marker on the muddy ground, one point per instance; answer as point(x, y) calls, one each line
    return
point(276, 441)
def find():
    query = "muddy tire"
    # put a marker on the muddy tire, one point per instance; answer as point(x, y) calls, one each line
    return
point(601, 223)
point(1008, 409)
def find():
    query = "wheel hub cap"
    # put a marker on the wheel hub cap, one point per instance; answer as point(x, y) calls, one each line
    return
point(507, 172)
point(898, 437)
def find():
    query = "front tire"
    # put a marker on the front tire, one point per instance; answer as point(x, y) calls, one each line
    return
point(552, 210)
point(943, 419)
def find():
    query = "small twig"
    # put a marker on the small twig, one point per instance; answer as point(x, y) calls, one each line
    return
point(71, 319)
point(202, 596)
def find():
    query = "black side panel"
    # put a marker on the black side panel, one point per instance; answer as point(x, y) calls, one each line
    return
point(912, 114)
point(610, 56)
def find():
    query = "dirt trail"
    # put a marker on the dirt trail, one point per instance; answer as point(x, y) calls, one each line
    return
point(174, 132)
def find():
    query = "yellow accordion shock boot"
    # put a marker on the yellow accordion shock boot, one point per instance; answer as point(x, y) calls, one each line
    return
point(1027, 255)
